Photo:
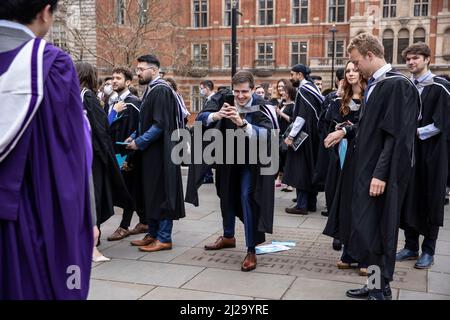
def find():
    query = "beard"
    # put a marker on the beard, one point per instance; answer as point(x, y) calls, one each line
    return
point(295, 83)
point(143, 81)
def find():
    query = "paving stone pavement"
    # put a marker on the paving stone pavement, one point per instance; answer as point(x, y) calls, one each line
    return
point(308, 271)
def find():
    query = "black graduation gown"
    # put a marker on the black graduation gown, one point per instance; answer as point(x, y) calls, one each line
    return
point(109, 186)
point(384, 150)
point(125, 124)
point(321, 169)
point(425, 198)
point(228, 178)
point(160, 192)
point(338, 181)
point(300, 164)
point(288, 110)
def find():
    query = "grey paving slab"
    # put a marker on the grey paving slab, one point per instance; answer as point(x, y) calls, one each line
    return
point(444, 234)
point(213, 216)
point(317, 289)
point(441, 264)
point(415, 295)
point(252, 284)
point(163, 293)
point(109, 290)
point(197, 226)
point(288, 221)
point(143, 272)
point(439, 282)
point(189, 238)
point(443, 248)
point(165, 255)
point(123, 250)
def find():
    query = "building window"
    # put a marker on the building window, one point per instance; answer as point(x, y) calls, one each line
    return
point(265, 51)
point(120, 14)
point(336, 10)
point(227, 55)
point(228, 10)
point(421, 8)
point(339, 49)
point(200, 13)
point(299, 53)
point(200, 55)
point(143, 12)
point(446, 46)
point(389, 8)
point(196, 99)
point(300, 11)
point(388, 43)
point(265, 11)
point(59, 36)
point(402, 44)
point(419, 35)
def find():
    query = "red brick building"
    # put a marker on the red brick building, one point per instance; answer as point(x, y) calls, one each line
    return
point(273, 35)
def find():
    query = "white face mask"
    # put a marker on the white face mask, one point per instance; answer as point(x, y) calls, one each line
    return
point(108, 89)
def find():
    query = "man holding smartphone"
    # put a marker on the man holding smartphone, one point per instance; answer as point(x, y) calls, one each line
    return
point(244, 191)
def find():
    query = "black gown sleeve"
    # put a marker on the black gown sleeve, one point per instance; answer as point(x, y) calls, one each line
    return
point(381, 171)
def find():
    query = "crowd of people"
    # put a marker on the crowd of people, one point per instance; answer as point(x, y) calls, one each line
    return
point(71, 151)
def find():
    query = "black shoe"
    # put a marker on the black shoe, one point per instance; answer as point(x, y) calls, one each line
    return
point(337, 245)
point(324, 213)
point(446, 201)
point(208, 180)
point(294, 210)
point(376, 295)
point(425, 261)
point(294, 200)
point(365, 293)
point(406, 254)
point(312, 209)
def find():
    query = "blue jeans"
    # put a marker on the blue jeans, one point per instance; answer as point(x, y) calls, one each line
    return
point(229, 217)
point(247, 190)
point(161, 229)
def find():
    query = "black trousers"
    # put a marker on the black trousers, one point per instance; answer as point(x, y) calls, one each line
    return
point(128, 215)
point(412, 242)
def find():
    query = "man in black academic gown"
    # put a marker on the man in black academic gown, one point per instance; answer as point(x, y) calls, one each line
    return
point(300, 163)
point(245, 189)
point(424, 213)
point(160, 191)
point(383, 159)
point(123, 120)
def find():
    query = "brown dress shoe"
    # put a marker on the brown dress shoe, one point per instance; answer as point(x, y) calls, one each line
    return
point(139, 228)
point(249, 262)
point(221, 243)
point(156, 246)
point(363, 272)
point(144, 242)
point(345, 265)
point(294, 210)
point(119, 234)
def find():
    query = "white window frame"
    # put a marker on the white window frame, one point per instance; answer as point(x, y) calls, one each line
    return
point(273, 14)
point(337, 6)
point(291, 53)
point(299, 8)
point(200, 13)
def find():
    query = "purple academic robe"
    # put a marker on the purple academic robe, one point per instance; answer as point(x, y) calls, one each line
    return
point(46, 237)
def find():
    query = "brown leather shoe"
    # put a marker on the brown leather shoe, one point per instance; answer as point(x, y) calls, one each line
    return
point(294, 210)
point(363, 272)
point(156, 246)
point(119, 234)
point(345, 265)
point(139, 228)
point(144, 242)
point(221, 243)
point(249, 262)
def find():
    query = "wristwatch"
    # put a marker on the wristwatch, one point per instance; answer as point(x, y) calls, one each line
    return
point(244, 124)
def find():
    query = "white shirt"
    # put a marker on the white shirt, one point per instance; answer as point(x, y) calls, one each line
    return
point(380, 72)
point(15, 25)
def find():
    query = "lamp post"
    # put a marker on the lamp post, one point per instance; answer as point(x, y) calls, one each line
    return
point(333, 30)
point(233, 37)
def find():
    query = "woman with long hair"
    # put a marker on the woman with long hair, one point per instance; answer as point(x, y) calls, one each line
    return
point(343, 110)
point(108, 184)
point(277, 94)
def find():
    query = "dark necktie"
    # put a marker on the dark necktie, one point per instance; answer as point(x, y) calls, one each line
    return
point(416, 82)
point(366, 92)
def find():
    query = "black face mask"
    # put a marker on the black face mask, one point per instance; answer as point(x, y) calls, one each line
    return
point(295, 83)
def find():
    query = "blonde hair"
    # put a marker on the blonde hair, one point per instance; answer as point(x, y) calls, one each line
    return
point(366, 42)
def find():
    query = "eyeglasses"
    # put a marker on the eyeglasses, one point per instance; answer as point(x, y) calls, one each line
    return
point(237, 92)
point(140, 70)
